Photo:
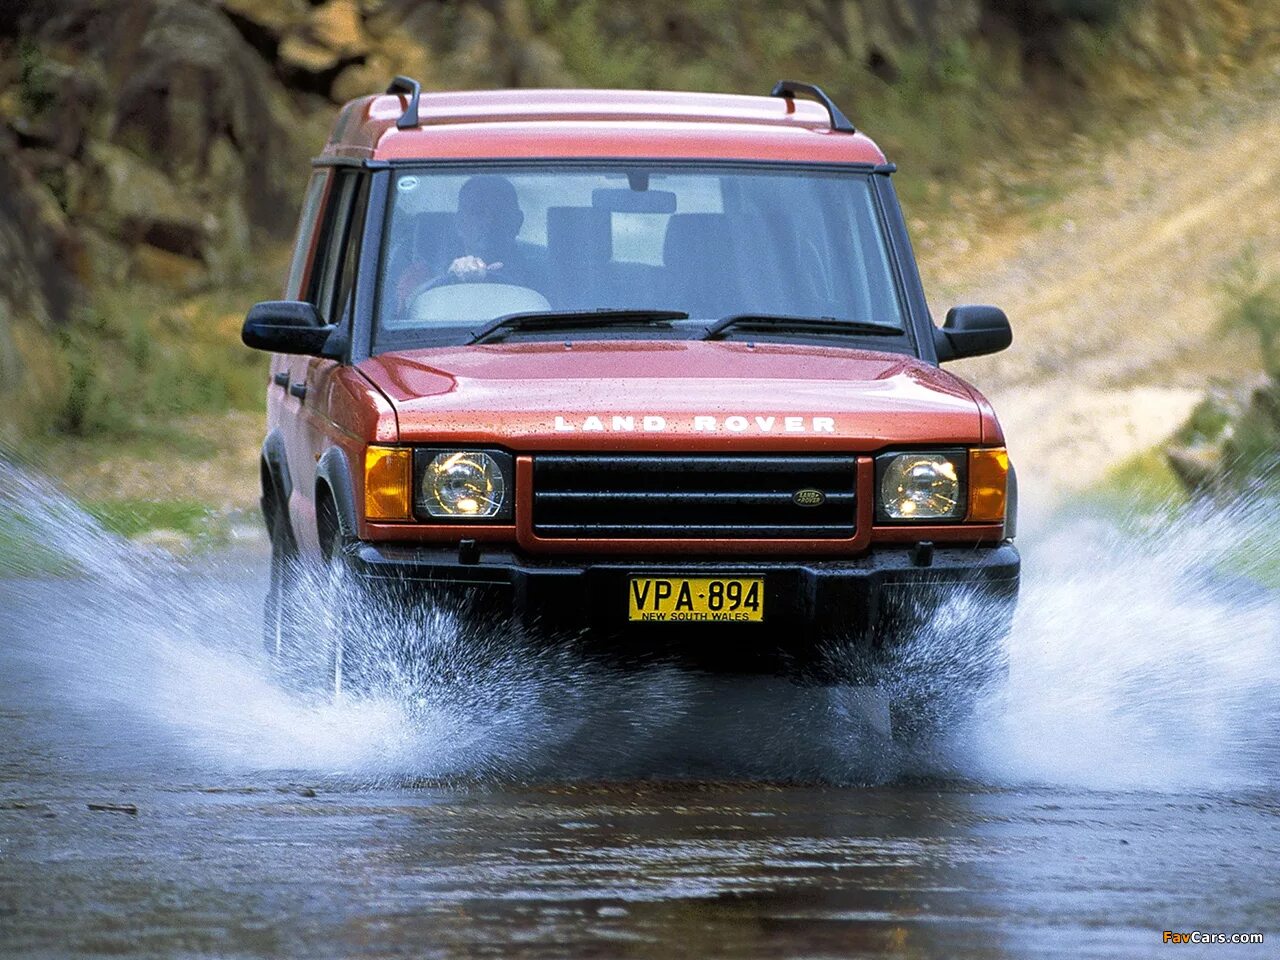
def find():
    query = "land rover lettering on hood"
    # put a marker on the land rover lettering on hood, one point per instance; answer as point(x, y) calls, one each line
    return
point(650, 375)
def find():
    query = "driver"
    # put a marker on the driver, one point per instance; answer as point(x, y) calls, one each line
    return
point(489, 217)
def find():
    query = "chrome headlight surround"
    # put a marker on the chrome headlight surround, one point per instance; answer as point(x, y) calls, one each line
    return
point(922, 486)
point(462, 485)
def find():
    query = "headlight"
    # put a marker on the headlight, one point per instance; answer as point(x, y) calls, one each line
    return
point(922, 486)
point(464, 484)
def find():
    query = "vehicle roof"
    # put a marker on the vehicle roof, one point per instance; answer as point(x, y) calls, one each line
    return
point(510, 124)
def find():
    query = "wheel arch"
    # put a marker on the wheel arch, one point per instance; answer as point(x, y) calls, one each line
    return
point(335, 497)
point(1011, 505)
point(275, 481)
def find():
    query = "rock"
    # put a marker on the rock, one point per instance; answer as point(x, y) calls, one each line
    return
point(109, 261)
point(363, 78)
point(300, 53)
point(194, 80)
point(140, 204)
point(62, 106)
point(173, 542)
point(338, 26)
point(1265, 400)
point(36, 246)
point(272, 19)
point(1198, 468)
point(176, 138)
point(128, 808)
point(172, 270)
point(403, 54)
point(331, 39)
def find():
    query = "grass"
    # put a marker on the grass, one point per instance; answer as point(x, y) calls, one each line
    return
point(26, 549)
point(1137, 490)
point(136, 360)
point(137, 357)
point(1253, 554)
point(132, 518)
point(146, 410)
point(1142, 494)
point(24, 554)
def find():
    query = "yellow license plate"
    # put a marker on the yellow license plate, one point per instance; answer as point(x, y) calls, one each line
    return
point(697, 599)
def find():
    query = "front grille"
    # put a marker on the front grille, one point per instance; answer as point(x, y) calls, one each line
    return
point(691, 496)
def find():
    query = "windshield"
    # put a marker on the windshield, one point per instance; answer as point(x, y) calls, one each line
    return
point(463, 248)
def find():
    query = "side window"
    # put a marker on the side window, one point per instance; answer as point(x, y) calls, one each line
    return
point(332, 252)
point(307, 224)
point(346, 280)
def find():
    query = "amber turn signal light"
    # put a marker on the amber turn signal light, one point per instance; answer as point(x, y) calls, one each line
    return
point(988, 484)
point(388, 483)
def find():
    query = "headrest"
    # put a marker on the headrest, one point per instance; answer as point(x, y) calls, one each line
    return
point(695, 236)
point(580, 234)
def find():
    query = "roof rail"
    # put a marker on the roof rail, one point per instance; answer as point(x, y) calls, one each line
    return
point(789, 89)
point(409, 119)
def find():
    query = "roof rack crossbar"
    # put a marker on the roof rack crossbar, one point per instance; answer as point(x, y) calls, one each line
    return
point(409, 119)
point(790, 88)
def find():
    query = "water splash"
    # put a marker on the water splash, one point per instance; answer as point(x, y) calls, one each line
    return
point(1142, 659)
point(1133, 662)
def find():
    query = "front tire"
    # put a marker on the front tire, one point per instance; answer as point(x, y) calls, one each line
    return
point(938, 682)
point(343, 605)
point(310, 614)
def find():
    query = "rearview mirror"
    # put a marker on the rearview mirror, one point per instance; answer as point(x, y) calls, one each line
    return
point(288, 326)
point(972, 331)
point(634, 201)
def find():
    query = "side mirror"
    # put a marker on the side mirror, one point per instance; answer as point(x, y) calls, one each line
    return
point(972, 332)
point(288, 326)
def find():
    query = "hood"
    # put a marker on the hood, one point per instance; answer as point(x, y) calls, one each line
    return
point(669, 395)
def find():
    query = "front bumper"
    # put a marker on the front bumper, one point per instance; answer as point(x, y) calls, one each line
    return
point(869, 600)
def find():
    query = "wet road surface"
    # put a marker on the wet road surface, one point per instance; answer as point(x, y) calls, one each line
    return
point(562, 823)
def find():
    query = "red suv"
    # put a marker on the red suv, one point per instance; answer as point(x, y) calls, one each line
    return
point(652, 370)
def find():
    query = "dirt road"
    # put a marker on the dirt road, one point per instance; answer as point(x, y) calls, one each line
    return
point(1112, 287)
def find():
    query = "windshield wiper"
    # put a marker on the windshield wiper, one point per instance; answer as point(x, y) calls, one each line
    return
point(562, 319)
point(777, 321)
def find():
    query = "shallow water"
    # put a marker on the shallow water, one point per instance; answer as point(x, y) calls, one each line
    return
point(1124, 782)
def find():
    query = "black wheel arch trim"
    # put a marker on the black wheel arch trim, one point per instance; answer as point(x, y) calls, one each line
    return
point(333, 470)
point(1011, 505)
point(277, 468)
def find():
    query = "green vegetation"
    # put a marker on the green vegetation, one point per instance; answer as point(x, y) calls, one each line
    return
point(1253, 553)
point(1143, 498)
point(937, 105)
point(1230, 445)
point(1137, 490)
point(192, 526)
point(23, 554)
point(132, 517)
point(1251, 302)
point(137, 359)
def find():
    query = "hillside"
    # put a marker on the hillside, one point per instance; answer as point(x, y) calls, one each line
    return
point(1090, 166)
point(1114, 288)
